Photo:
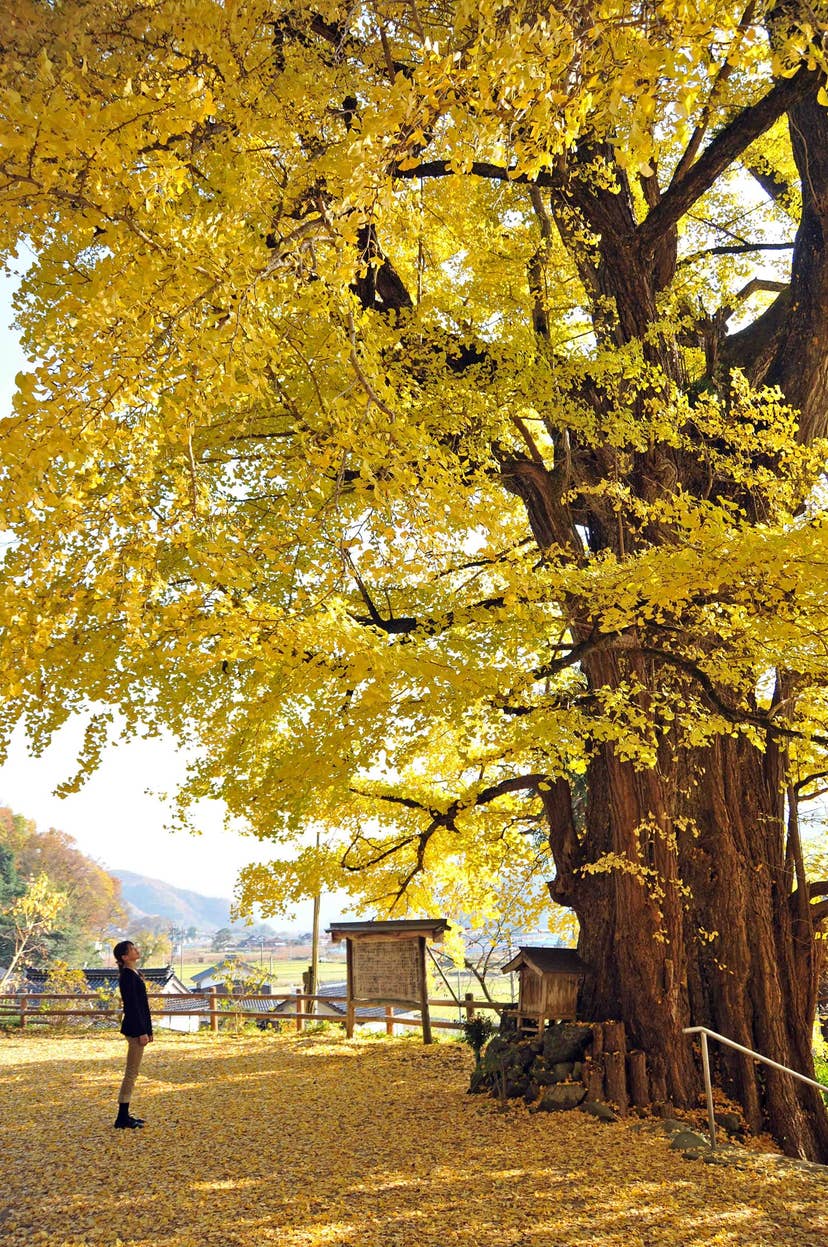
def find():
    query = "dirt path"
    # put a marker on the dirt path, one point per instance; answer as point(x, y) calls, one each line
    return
point(320, 1143)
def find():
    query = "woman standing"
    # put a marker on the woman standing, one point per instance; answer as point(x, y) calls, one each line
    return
point(136, 1026)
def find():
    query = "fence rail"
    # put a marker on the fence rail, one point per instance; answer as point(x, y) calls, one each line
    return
point(705, 1033)
point(24, 1007)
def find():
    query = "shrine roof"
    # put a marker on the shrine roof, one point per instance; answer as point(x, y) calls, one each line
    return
point(547, 961)
point(396, 928)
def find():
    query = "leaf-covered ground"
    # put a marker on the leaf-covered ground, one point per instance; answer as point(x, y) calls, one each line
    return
point(317, 1142)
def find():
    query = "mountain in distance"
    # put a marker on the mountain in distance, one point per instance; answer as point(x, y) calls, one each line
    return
point(179, 906)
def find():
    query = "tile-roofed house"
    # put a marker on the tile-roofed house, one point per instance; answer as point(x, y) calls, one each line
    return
point(159, 979)
point(229, 968)
point(335, 1006)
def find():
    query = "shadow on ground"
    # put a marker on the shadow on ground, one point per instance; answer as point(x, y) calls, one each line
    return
point(317, 1142)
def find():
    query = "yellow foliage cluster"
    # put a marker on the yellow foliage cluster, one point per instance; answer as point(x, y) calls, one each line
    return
point(318, 1142)
point(252, 508)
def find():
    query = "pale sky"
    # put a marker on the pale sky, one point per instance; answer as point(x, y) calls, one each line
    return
point(114, 818)
point(118, 817)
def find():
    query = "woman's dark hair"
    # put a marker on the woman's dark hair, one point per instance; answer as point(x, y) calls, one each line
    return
point(119, 950)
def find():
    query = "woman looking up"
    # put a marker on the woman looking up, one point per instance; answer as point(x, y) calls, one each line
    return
point(136, 1027)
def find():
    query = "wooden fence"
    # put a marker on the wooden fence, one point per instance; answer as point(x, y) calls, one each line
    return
point(21, 1008)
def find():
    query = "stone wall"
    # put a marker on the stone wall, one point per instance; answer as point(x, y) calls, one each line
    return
point(570, 1064)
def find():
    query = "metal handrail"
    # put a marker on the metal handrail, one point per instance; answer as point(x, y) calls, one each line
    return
point(704, 1031)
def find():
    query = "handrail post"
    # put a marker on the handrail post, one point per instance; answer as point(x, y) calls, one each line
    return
point(708, 1089)
point(704, 1032)
point(24, 1004)
point(213, 1012)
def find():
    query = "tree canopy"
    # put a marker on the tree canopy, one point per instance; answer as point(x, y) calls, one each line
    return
point(426, 420)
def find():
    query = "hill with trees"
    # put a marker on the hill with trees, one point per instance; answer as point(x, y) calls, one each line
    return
point(55, 902)
point(155, 899)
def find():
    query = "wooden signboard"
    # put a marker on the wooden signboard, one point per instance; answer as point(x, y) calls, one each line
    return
point(386, 963)
point(387, 971)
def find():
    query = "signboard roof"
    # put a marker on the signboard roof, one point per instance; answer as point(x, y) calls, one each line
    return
point(397, 928)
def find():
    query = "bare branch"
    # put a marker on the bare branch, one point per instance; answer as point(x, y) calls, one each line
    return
point(741, 248)
point(721, 152)
point(819, 911)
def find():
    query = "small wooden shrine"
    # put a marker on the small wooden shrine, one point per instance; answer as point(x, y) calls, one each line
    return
point(386, 963)
point(549, 979)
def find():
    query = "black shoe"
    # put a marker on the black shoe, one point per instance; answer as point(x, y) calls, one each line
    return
point(130, 1123)
point(139, 1121)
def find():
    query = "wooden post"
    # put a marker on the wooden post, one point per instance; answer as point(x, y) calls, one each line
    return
point(614, 1037)
point(637, 1075)
point(300, 1021)
point(213, 1010)
point(314, 965)
point(24, 1004)
point(469, 1006)
point(597, 1040)
point(424, 1013)
point(615, 1077)
point(389, 1020)
point(349, 1002)
point(594, 1079)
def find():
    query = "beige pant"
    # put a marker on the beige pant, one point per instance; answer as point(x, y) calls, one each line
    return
point(135, 1051)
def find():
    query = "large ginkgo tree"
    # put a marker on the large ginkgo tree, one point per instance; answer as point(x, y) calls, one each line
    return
point(425, 422)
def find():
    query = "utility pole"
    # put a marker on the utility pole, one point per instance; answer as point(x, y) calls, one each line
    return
point(313, 984)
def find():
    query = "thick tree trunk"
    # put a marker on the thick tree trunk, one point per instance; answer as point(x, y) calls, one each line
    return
point(683, 875)
point(754, 967)
point(689, 920)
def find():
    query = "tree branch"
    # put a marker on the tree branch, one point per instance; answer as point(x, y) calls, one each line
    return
point(478, 168)
point(732, 713)
point(742, 248)
point(439, 818)
point(724, 72)
point(727, 146)
point(804, 782)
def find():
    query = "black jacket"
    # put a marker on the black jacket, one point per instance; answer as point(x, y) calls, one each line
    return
point(137, 1020)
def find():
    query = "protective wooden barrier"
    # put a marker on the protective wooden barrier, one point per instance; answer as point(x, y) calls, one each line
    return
point(22, 1008)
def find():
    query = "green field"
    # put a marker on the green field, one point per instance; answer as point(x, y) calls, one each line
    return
point(284, 974)
point(281, 972)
